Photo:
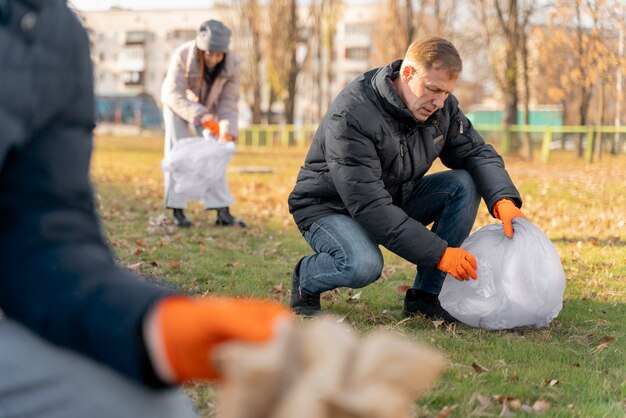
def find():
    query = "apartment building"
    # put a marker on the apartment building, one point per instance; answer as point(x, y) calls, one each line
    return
point(131, 49)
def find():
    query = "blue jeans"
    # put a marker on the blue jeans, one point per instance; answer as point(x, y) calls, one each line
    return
point(347, 256)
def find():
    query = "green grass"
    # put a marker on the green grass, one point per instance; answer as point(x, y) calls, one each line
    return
point(580, 207)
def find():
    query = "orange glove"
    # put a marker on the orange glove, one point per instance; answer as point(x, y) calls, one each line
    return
point(459, 263)
point(212, 126)
point(191, 328)
point(505, 210)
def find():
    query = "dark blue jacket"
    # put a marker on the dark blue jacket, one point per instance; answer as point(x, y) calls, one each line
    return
point(369, 151)
point(57, 275)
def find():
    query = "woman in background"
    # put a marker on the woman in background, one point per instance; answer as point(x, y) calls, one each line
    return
point(201, 91)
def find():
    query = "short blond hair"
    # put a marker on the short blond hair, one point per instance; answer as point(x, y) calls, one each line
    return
point(435, 52)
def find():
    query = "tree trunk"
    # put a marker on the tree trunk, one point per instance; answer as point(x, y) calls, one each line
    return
point(527, 144)
point(598, 140)
point(509, 85)
point(585, 95)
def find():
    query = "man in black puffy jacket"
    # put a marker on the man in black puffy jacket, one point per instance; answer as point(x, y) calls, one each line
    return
point(363, 183)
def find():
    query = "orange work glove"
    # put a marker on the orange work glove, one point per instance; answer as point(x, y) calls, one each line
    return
point(459, 263)
point(505, 210)
point(211, 125)
point(191, 328)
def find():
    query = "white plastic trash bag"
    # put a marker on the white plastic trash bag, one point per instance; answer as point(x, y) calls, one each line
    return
point(520, 280)
point(197, 167)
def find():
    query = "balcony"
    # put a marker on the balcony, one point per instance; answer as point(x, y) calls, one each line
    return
point(136, 38)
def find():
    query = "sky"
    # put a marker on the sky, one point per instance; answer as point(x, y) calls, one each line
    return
point(139, 4)
point(90, 5)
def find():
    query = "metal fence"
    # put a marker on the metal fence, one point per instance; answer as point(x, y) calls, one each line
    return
point(553, 137)
point(546, 138)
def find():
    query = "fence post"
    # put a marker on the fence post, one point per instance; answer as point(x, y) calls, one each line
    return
point(301, 136)
point(506, 140)
point(545, 145)
point(589, 149)
point(256, 132)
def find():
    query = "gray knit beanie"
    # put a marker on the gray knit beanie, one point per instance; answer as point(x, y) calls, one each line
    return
point(213, 36)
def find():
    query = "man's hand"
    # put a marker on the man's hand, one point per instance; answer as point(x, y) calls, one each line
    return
point(505, 210)
point(209, 123)
point(459, 263)
point(182, 332)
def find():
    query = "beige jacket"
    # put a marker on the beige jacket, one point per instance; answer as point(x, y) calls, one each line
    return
point(180, 89)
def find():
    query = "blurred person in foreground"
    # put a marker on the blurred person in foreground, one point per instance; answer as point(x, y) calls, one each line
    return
point(201, 91)
point(364, 183)
point(80, 336)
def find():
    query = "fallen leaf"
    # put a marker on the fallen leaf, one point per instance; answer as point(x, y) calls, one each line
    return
point(269, 251)
point(140, 242)
point(503, 398)
point(401, 289)
point(541, 406)
point(513, 378)
point(154, 264)
point(446, 411)
point(550, 382)
point(484, 401)
point(138, 251)
point(607, 339)
point(173, 264)
point(356, 296)
point(478, 368)
point(437, 324)
point(515, 404)
point(278, 289)
point(604, 343)
point(327, 296)
point(450, 327)
point(134, 267)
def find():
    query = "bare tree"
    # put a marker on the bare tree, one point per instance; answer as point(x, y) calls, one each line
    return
point(503, 29)
point(405, 21)
point(529, 8)
point(577, 32)
point(290, 49)
point(251, 36)
point(330, 15)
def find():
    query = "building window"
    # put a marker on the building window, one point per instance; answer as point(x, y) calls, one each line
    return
point(136, 37)
point(358, 30)
point(132, 78)
point(181, 35)
point(357, 53)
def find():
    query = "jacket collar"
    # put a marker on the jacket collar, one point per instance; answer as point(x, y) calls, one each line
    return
point(382, 82)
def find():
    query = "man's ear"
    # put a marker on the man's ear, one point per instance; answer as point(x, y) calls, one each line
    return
point(408, 71)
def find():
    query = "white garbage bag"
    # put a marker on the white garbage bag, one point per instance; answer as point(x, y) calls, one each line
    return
point(520, 280)
point(197, 167)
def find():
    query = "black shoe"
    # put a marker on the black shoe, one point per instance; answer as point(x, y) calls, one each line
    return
point(302, 303)
point(180, 219)
point(224, 218)
point(427, 304)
